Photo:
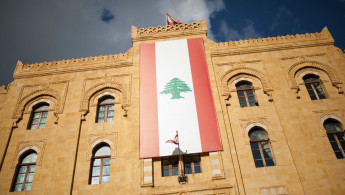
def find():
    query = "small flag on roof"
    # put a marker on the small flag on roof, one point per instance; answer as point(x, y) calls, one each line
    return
point(171, 20)
point(175, 140)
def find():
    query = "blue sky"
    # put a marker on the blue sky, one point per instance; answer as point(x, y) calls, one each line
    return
point(39, 30)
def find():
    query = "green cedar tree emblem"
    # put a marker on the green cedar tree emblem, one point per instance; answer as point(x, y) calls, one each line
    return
point(175, 86)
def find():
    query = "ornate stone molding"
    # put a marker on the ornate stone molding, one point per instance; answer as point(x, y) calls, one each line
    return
point(54, 96)
point(3, 89)
point(246, 71)
point(73, 65)
point(305, 63)
point(108, 138)
point(322, 115)
point(272, 43)
point(105, 87)
point(22, 147)
point(163, 32)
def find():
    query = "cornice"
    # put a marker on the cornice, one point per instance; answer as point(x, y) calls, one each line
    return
point(73, 65)
point(272, 43)
point(163, 32)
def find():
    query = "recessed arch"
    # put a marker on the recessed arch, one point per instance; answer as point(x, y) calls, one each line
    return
point(29, 100)
point(94, 91)
point(243, 71)
point(332, 74)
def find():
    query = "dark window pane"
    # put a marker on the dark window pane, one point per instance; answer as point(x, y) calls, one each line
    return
point(243, 104)
point(41, 126)
point(335, 146)
point(339, 155)
point(37, 115)
point(311, 92)
point(101, 108)
point(340, 136)
point(342, 144)
point(101, 114)
point(257, 134)
point(256, 154)
point(269, 162)
point(250, 92)
point(197, 169)
point(313, 98)
point(188, 168)
point(322, 97)
point(259, 163)
point(242, 99)
point(244, 86)
point(253, 104)
point(309, 86)
point(174, 171)
point(240, 93)
point(254, 145)
point(43, 120)
point(331, 137)
point(35, 121)
point(165, 172)
point(107, 101)
point(251, 99)
point(101, 120)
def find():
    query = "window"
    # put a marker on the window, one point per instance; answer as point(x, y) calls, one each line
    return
point(100, 165)
point(261, 149)
point(245, 93)
point(191, 163)
point(39, 116)
point(105, 110)
point(314, 87)
point(25, 172)
point(335, 134)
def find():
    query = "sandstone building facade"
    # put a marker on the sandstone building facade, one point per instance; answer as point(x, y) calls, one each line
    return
point(279, 102)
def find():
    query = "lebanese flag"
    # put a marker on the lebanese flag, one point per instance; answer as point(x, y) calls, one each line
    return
point(175, 140)
point(175, 95)
point(171, 20)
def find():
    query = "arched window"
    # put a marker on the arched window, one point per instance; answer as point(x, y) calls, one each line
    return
point(39, 116)
point(335, 134)
point(245, 93)
point(25, 172)
point(261, 148)
point(314, 87)
point(105, 109)
point(100, 165)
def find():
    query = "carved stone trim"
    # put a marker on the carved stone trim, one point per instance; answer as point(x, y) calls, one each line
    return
point(163, 32)
point(272, 43)
point(323, 115)
point(332, 74)
point(38, 95)
point(38, 146)
point(110, 87)
point(246, 71)
point(74, 65)
point(3, 89)
point(248, 124)
point(109, 138)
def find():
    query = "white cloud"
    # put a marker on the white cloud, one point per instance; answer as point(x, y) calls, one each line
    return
point(246, 32)
point(39, 30)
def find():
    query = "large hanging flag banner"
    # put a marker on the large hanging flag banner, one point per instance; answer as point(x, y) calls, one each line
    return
point(175, 95)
